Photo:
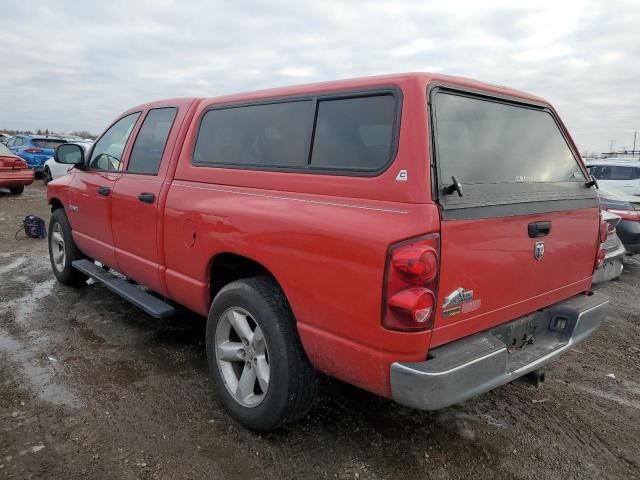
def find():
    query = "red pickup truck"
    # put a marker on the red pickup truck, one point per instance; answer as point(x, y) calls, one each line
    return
point(424, 237)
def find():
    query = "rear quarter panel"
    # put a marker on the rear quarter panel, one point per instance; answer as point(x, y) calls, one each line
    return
point(327, 255)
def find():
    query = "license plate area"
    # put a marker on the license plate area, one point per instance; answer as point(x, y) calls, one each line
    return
point(534, 336)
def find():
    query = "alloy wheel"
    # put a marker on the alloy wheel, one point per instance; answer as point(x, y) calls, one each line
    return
point(242, 357)
point(57, 247)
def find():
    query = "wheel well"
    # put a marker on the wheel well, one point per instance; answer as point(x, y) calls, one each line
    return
point(229, 267)
point(55, 204)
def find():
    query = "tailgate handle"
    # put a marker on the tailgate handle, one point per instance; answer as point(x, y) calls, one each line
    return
point(539, 229)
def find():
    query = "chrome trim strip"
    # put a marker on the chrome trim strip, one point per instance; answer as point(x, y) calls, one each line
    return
point(277, 197)
point(400, 366)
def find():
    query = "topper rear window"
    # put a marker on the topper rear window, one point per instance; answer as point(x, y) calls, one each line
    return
point(482, 142)
point(501, 153)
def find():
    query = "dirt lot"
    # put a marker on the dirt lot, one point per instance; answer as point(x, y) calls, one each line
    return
point(90, 387)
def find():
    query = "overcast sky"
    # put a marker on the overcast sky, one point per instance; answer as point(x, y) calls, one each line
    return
point(70, 65)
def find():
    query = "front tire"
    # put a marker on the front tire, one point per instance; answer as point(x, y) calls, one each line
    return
point(63, 250)
point(256, 360)
point(16, 190)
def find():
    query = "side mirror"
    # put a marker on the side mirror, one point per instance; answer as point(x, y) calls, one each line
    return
point(69, 154)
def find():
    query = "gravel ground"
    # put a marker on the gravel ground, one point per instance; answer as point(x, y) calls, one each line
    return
point(91, 387)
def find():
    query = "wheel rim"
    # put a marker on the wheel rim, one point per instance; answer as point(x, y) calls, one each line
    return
point(45, 176)
point(242, 357)
point(57, 247)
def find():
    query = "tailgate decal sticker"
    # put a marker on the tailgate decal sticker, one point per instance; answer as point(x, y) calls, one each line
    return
point(458, 297)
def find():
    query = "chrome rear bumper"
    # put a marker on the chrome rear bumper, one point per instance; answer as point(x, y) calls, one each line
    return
point(472, 365)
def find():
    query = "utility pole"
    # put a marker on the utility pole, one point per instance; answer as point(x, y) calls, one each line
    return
point(611, 144)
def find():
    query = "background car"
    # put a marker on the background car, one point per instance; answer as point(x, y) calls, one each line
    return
point(621, 174)
point(14, 172)
point(52, 169)
point(34, 149)
point(614, 252)
point(4, 138)
point(627, 207)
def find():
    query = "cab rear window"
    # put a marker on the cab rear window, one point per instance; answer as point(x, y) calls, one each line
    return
point(487, 142)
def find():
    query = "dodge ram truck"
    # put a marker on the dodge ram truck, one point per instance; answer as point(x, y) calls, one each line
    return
point(424, 237)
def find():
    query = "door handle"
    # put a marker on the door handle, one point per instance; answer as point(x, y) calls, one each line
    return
point(539, 229)
point(147, 197)
point(104, 191)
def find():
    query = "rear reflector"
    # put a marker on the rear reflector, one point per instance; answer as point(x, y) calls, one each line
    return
point(33, 150)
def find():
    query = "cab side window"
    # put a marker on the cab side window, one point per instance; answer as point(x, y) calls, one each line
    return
point(107, 152)
point(148, 148)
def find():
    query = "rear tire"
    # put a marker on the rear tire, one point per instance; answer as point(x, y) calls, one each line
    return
point(16, 190)
point(46, 175)
point(63, 250)
point(251, 331)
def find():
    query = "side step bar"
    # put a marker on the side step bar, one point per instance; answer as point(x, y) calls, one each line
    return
point(147, 302)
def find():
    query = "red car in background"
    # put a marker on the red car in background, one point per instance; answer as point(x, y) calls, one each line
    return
point(14, 172)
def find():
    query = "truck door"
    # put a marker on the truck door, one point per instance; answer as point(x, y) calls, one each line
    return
point(137, 216)
point(90, 206)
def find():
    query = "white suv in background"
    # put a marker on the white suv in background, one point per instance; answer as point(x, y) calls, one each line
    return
point(53, 170)
point(621, 174)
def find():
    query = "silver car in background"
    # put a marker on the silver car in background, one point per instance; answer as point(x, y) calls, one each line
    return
point(614, 252)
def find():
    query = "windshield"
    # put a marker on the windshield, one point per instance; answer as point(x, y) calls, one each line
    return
point(487, 142)
point(4, 150)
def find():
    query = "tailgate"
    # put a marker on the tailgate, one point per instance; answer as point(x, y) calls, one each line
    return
point(523, 234)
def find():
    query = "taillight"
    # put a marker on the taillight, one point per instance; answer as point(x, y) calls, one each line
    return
point(600, 257)
point(630, 215)
point(604, 230)
point(18, 164)
point(33, 150)
point(602, 237)
point(411, 282)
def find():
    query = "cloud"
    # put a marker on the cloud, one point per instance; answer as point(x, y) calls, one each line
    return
point(69, 65)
